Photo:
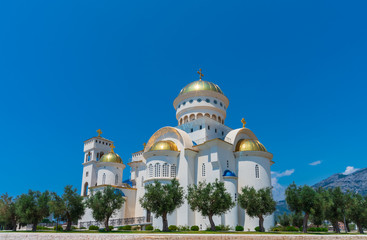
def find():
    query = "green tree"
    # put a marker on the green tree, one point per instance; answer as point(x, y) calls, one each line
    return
point(257, 203)
point(303, 199)
point(162, 199)
point(209, 199)
point(8, 216)
point(358, 211)
point(284, 220)
point(319, 215)
point(297, 219)
point(335, 212)
point(33, 207)
point(104, 203)
point(57, 208)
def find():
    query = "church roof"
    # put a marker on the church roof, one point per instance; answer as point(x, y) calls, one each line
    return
point(199, 86)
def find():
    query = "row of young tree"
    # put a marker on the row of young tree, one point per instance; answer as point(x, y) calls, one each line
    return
point(332, 205)
point(210, 199)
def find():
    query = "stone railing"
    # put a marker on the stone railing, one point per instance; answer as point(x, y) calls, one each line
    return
point(118, 222)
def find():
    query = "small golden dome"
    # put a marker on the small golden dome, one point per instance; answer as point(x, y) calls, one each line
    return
point(164, 145)
point(199, 86)
point(111, 157)
point(249, 145)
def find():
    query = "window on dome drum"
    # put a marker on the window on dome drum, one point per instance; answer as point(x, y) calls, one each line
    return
point(96, 140)
point(179, 105)
point(215, 130)
point(183, 103)
point(199, 100)
point(203, 170)
point(157, 170)
point(208, 127)
point(104, 179)
point(221, 104)
point(150, 170)
point(116, 179)
point(165, 170)
point(201, 127)
point(222, 133)
point(173, 171)
point(257, 172)
point(215, 101)
point(85, 189)
point(207, 100)
point(191, 101)
point(192, 129)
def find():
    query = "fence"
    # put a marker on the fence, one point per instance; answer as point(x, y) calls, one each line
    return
point(118, 222)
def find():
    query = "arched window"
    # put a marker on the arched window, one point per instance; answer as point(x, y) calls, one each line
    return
point(157, 170)
point(173, 171)
point(214, 117)
point(203, 170)
point(200, 115)
point(104, 179)
point(142, 181)
point(192, 117)
point(207, 115)
point(219, 119)
point(186, 119)
point(165, 170)
point(85, 189)
point(97, 156)
point(150, 170)
point(116, 179)
point(88, 156)
point(257, 172)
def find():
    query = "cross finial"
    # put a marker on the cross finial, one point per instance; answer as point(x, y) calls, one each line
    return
point(144, 144)
point(112, 147)
point(200, 74)
point(99, 132)
point(243, 122)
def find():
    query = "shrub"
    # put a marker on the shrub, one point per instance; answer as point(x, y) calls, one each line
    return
point(183, 228)
point(42, 228)
point(126, 228)
point(291, 229)
point(172, 228)
point(73, 228)
point(194, 228)
point(317, 229)
point(149, 227)
point(157, 230)
point(135, 228)
point(276, 229)
point(239, 228)
point(59, 228)
point(257, 229)
point(217, 228)
point(93, 227)
point(224, 227)
point(82, 228)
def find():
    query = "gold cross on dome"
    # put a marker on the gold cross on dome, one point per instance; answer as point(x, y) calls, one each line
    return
point(200, 74)
point(99, 132)
point(243, 122)
point(112, 147)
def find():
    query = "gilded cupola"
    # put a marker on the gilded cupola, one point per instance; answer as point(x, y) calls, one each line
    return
point(111, 156)
point(164, 145)
point(249, 145)
point(199, 86)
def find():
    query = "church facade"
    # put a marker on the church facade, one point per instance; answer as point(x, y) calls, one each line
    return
point(200, 148)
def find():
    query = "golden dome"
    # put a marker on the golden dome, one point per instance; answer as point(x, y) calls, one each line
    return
point(199, 86)
point(164, 145)
point(111, 157)
point(249, 145)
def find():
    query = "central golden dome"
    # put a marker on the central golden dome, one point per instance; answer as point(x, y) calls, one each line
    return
point(249, 145)
point(164, 145)
point(111, 157)
point(199, 86)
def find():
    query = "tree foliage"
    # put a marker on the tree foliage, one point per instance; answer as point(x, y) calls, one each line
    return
point(8, 216)
point(336, 208)
point(304, 199)
point(358, 211)
point(257, 203)
point(33, 207)
point(104, 204)
point(209, 199)
point(69, 207)
point(162, 199)
point(284, 220)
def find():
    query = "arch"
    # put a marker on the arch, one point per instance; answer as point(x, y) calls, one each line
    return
point(85, 192)
point(165, 170)
point(116, 179)
point(181, 121)
point(104, 179)
point(173, 171)
point(199, 115)
point(186, 119)
point(88, 156)
point(219, 119)
point(192, 117)
point(207, 115)
point(214, 117)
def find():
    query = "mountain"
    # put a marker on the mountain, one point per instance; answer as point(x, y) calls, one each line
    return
point(281, 208)
point(356, 182)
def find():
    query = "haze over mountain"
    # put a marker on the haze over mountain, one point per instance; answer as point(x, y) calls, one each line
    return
point(356, 181)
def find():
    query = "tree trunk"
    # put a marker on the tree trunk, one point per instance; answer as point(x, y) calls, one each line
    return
point(360, 228)
point(68, 226)
point(345, 225)
point(57, 224)
point(305, 221)
point(261, 223)
point(165, 222)
point(348, 228)
point(212, 225)
point(106, 225)
point(14, 225)
point(34, 227)
point(336, 227)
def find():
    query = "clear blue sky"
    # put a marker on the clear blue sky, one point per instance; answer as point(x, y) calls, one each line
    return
point(296, 70)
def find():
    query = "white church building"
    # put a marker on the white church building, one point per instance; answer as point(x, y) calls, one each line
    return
point(200, 148)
